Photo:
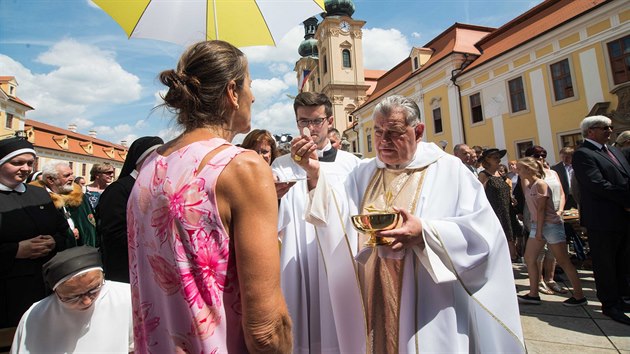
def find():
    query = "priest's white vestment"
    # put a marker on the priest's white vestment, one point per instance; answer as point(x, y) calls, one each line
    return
point(303, 278)
point(105, 327)
point(458, 292)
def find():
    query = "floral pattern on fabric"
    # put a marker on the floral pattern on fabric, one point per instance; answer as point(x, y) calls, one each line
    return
point(186, 296)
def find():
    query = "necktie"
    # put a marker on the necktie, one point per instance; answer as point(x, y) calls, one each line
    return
point(569, 170)
point(610, 154)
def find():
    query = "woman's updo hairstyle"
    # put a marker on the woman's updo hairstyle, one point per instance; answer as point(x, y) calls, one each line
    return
point(534, 165)
point(197, 88)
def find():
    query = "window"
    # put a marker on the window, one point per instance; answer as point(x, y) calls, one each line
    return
point(571, 140)
point(369, 142)
point(517, 95)
point(561, 78)
point(71, 164)
point(345, 55)
point(522, 146)
point(437, 120)
point(475, 108)
point(325, 63)
point(83, 169)
point(9, 122)
point(415, 63)
point(619, 54)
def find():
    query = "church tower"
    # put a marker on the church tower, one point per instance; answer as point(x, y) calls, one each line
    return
point(336, 67)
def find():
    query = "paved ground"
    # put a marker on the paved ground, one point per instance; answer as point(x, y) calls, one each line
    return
point(554, 328)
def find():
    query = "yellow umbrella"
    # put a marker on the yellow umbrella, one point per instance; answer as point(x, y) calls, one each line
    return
point(240, 22)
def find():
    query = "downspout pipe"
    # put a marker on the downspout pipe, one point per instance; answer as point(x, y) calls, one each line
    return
point(454, 74)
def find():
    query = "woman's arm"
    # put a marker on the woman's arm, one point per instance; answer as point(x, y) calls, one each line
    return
point(248, 205)
point(541, 204)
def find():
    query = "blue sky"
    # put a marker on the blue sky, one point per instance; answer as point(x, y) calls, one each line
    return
point(74, 64)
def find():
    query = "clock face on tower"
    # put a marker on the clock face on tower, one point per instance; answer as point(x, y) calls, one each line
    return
point(344, 26)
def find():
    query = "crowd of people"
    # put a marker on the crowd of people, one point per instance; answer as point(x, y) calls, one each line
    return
point(180, 253)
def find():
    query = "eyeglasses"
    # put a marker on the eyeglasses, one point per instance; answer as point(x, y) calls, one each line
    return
point(303, 123)
point(606, 127)
point(109, 173)
point(92, 293)
point(538, 156)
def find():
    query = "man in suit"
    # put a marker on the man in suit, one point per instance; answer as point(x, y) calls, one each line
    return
point(603, 175)
point(467, 155)
point(564, 169)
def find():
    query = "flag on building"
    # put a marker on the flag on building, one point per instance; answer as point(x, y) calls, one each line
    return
point(303, 79)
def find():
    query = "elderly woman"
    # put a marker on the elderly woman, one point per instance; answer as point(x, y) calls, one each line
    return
point(263, 143)
point(498, 192)
point(101, 175)
point(203, 256)
point(84, 314)
point(31, 230)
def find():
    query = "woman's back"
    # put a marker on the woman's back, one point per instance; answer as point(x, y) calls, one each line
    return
point(182, 266)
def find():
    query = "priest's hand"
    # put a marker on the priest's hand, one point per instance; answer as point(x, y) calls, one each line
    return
point(406, 236)
point(35, 247)
point(304, 153)
point(282, 188)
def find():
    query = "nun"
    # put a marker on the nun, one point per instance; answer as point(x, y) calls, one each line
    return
point(31, 231)
point(84, 314)
point(111, 211)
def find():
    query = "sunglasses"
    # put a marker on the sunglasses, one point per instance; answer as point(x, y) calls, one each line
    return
point(538, 156)
point(109, 173)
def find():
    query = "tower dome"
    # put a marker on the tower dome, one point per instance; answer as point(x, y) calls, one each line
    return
point(339, 7)
point(308, 47)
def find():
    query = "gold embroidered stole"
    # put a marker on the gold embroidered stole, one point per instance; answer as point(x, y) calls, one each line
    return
point(381, 278)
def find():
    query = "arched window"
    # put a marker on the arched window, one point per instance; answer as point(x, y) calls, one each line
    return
point(325, 65)
point(345, 55)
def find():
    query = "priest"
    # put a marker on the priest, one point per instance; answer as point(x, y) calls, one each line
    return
point(303, 275)
point(442, 280)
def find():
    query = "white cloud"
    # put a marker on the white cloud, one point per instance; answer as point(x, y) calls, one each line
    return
point(278, 118)
point(83, 79)
point(384, 48)
point(416, 35)
point(267, 91)
point(285, 51)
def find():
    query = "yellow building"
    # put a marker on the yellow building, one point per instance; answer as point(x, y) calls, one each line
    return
point(12, 108)
point(531, 81)
point(53, 143)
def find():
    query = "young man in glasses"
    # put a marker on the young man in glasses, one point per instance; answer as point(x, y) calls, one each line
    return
point(69, 199)
point(303, 272)
point(603, 176)
point(84, 314)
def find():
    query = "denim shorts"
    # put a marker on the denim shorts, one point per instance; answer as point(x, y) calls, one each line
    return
point(552, 233)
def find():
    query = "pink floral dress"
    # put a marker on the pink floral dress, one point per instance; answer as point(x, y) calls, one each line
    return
point(184, 282)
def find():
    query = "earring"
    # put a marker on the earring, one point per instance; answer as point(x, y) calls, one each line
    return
point(237, 106)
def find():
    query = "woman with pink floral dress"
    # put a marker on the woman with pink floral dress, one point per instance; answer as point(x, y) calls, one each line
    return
point(204, 263)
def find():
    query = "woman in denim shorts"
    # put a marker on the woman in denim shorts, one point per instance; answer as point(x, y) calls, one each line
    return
point(547, 228)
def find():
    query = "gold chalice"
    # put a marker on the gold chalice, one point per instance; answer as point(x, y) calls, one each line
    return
point(371, 223)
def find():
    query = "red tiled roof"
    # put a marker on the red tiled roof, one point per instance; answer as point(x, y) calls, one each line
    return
point(530, 25)
point(6, 78)
point(45, 134)
point(17, 100)
point(457, 38)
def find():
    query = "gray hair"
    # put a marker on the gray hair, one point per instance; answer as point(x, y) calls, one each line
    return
point(407, 105)
point(459, 147)
point(592, 121)
point(50, 168)
point(622, 138)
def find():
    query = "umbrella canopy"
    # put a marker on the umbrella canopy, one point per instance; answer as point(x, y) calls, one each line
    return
point(241, 22)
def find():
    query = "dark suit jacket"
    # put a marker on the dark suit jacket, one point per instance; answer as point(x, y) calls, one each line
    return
point(604, 188)
point(564, 180)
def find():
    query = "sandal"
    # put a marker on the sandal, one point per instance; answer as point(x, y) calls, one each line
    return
point(557, 288)
point(542, 287)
